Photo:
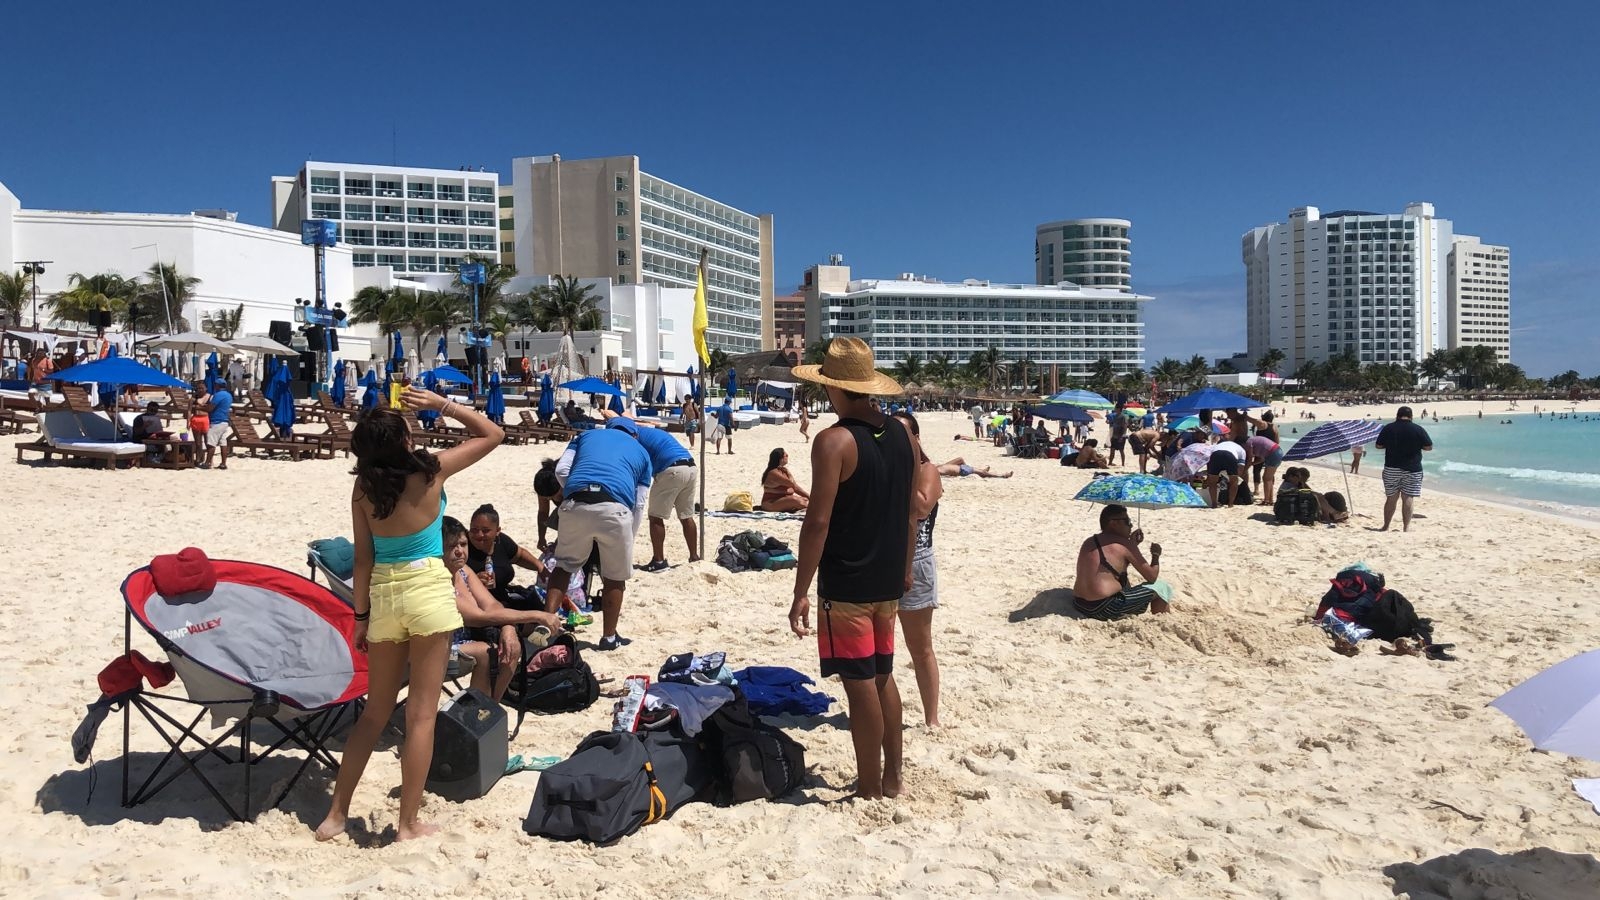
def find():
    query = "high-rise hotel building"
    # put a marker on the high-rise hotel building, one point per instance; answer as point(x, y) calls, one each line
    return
point(409, 219)
point(1480, 295)
point(605, 218)
point(1087, 252)
point(1377, 285)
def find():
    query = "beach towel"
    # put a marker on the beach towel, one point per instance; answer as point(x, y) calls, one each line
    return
point(338, 555)
point(780, 516)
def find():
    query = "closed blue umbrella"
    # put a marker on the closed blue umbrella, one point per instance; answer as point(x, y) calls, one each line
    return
point(694, 385)
point(494, 406)
point(732, 382)
point(282, 400)
point(443, 348)
point(338, 384)
point(661, 391)
point(429, 382)
point(369, 399)
point(1208, 398)
point(547, 399)
point(616, 403)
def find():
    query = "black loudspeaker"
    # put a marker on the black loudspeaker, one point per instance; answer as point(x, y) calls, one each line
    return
point(100, 318)
point(308, 367)
point(314, 338)
point(469, 747)
point(333, 339)
point(280, 332)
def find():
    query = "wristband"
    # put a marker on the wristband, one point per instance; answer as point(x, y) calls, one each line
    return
point(362, 617)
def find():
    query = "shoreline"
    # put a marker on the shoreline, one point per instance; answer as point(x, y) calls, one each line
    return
point(1586, 516)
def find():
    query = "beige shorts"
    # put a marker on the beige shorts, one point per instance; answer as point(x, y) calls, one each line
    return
point(219, 434)
point(673, 492)
point(587, 525)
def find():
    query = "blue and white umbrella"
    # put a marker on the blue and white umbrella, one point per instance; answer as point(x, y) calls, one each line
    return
point(1335, 437)
point(1208, 398)
point(1085, 399)
point(494, 406)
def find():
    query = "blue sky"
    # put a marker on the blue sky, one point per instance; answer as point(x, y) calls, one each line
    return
point(909, 138)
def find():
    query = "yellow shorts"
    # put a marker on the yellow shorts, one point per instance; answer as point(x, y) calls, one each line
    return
point(412, 599)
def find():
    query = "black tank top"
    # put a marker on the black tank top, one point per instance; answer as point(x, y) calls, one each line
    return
point(864, 557)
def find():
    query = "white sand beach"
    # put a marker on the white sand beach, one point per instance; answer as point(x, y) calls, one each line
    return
point(1220, 751)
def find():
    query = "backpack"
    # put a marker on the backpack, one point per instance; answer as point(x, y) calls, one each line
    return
point(735, 551)
point(758, 761)
point(615, 783)
point(1392, 617)
point(1296, 507)
point(565, 688)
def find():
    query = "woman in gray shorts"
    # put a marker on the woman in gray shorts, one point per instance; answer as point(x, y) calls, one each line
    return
point(917, 606)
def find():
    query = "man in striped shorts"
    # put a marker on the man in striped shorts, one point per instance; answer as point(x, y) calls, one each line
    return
point(1402, 442)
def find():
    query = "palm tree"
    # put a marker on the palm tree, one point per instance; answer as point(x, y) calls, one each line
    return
point(1167, 372)
point(1270, 360)
point(939, 370)
point(520, 310)
point(1102, 375)
point(491, 294)
point(1565, 380)
point(1436, 365)
point(89, 294)
point(566, 306)
point(1133, 380)
point(15, 292)
point(501, 324)
point(717, 367)
point(909, 370)
point(439, 311)
point(1195, 372)
point(987, 366)
point(1023, 368)
point(162, 297)
point(1311, 374)
point(1478, 362)
point(222, 323)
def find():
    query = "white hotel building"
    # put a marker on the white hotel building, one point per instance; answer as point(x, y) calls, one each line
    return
point(410, 220)
point(1061, 324)
point(1377, 285)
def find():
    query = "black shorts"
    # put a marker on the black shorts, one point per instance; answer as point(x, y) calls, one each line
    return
point(1222, 462)
point(1117, 443)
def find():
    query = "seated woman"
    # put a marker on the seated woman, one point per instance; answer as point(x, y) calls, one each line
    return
point(1102, 589)
point(494, 556)
point(779, 491)
point(490, 628)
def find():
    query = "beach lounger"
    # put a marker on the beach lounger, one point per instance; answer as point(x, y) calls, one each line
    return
point(90, 436)
point(433, 438)
point(245, 437)
point(263, 651)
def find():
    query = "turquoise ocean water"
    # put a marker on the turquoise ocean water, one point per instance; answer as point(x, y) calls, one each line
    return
point(1548, 460)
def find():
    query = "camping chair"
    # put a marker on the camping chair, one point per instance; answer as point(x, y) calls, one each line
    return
point(264, 648)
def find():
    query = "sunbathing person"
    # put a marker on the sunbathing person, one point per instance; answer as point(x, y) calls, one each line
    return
point(958, 468)
point(779, 491)
point(490, 627)
point(1101, 589)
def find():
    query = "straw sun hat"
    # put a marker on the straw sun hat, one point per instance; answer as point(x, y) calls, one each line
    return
point(849, 365)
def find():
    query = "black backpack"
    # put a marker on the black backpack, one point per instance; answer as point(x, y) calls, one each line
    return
point(1296, 507)
point(615, 783)
point(758, 761)
point(568, 688)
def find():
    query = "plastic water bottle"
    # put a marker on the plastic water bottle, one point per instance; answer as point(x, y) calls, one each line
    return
point(488, 567)
point(1349, 632)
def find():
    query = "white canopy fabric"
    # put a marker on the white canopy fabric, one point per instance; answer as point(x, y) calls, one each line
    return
point(189, 342)
point(263, 345)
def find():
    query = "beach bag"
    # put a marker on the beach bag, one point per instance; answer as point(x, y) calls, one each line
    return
point(1297, 507)
point(772, 562)
point(615, 783)
point(556, 680)
point(738, 501)
point(758, 761)
point(1391, 617)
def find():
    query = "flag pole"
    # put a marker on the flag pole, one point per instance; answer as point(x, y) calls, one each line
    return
point(700, 324)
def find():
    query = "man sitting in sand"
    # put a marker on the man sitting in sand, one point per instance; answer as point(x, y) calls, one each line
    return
point(1101, 589)
point(1089, 456)
point(958, 468)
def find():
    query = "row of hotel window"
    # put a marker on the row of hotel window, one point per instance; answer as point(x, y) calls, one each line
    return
point(415, 190)
point(396, 214)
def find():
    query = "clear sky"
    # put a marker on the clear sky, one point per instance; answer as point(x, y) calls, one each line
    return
point(926, 138)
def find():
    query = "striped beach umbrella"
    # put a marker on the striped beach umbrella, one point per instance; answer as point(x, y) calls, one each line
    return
point(1334, 437)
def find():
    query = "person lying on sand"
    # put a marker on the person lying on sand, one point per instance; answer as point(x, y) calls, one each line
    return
point(958, 468)
point(1101, 589)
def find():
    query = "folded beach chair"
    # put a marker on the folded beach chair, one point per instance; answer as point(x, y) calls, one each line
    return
point(260, 650)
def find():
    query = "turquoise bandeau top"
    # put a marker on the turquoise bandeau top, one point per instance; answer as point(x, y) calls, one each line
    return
point(414, 546)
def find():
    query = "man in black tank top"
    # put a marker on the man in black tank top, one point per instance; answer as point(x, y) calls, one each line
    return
point(857, 542)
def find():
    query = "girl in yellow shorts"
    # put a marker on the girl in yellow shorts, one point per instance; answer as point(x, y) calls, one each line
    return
point(404, 601)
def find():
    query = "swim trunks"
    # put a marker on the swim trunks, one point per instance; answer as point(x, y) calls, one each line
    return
point(412, 599)
point(856, 640)
point(1400, 481)
point(1127, 602)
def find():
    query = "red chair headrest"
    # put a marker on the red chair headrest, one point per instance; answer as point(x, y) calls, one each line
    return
point(118, 677)
point(184, 572)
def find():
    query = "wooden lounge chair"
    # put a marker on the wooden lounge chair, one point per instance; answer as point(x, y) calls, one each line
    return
point(338, 433)
point(551, 432)
point(431, 438)
point(246, 438)
point(69, 434)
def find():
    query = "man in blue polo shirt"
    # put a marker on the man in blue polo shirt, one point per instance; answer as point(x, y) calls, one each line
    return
point(218, 410)
point(671, 492)
point(605, 476)
point(724, 427)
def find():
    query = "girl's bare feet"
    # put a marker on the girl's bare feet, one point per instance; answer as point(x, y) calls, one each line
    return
point(331, 827)
point(417, 830)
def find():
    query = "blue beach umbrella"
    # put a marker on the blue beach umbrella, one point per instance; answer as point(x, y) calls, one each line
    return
point(494, 406)
point(117, 370)
point(732, 382)
point(449, 375)
point(616, 403)
point(1141, 492)
point(1336, 437)
point(547, 398)
point(661, 391)
point(1062, 412)
point(443, 348)
point(694, 385)
point(428, 381)
point(369, 400)
point(1085, 399)
point(1208, 398)
point(592, 385)
point(338, 383)
point(282, 399)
